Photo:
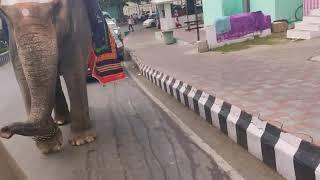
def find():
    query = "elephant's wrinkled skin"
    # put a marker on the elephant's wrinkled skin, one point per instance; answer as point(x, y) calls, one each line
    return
point(49, 38)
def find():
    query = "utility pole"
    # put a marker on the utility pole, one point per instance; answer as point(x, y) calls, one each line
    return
point(197, 20)
point(187, 12)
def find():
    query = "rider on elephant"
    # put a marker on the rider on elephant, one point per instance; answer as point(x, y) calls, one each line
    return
point(101, 41)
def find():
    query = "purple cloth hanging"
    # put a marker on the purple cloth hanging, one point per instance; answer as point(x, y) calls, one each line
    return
point(245, 23)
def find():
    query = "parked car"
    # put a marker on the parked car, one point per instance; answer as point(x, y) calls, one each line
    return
point(115, 30)
point(119, 43)
point(151, 21)
point(116, 33)
point(108, 16)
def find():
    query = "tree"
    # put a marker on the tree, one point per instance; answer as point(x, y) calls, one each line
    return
point(136, 1)
point(114, 3)
point(107, 3)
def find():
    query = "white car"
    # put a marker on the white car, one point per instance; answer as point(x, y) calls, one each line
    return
point(108, 16)
point(116, 33)
point(151, 21)
point(114, 27)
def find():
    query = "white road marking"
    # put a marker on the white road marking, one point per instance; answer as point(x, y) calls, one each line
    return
point(191, 95)
point(215, 110)
point(254, 134)
point(232, 120)
point(285, 149)
point(183, 88)
point(202, 102)
point(175, 85)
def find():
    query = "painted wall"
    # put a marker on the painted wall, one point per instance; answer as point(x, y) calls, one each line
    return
point(308, 5)
point(268, 7)
point(278, 9)
point(285, 9)
point(218, 8)
point(211, 10)
point(231, 7)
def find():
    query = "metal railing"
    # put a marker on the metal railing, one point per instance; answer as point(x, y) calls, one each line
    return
point(4, 58)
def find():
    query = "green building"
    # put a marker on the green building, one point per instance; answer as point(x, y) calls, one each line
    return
point(277, 9)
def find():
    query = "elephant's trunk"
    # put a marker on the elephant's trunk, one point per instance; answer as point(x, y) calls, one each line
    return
point(37, 52)
point(25, 129)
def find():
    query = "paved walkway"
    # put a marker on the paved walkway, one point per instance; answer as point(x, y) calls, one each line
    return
point(277, 82)
point(189, 36)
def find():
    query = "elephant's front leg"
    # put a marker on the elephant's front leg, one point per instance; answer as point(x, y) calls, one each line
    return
point(82, 131)
point(61, 111)
point(75, 73)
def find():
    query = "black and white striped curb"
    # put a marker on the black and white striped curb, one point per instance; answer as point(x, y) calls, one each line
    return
point(289, 155)
point(4, 58)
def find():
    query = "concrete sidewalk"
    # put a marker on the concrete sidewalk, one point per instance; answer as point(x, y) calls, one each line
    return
point(277, 82)
point(265, 99)
point(189, 36)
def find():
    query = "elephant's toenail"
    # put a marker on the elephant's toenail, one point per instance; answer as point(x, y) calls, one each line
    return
point(80, 142)
point(89, 139)
point(72, 142)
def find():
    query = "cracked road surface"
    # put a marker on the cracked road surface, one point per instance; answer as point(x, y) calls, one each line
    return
point(136, 140)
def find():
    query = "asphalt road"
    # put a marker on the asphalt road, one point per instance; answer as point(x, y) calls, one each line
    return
point(136, 140)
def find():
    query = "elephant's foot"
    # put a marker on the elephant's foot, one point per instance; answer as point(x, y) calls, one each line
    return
point(52, 145)
point(62, 120)
point(82, 137)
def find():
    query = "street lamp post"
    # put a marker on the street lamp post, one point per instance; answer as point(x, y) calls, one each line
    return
point(197, 20)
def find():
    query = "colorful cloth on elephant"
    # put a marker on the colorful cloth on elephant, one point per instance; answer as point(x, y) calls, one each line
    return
point(104, 63)
point(107, 65)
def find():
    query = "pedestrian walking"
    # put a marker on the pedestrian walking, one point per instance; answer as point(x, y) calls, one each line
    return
point(130, 22)
point(176, 15)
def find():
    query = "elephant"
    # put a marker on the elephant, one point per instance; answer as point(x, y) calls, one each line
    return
point(49, 39)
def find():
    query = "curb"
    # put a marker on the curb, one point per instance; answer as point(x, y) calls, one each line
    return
point(290, 156)
point(4, 58)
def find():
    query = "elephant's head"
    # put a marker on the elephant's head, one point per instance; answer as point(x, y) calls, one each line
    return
point(35, 25)
point(35, 28)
